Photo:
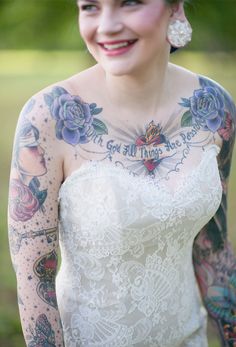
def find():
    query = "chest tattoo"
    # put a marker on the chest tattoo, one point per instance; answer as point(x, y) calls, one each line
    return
point(156, 148)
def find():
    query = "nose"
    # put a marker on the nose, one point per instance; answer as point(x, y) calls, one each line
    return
point(110, 22)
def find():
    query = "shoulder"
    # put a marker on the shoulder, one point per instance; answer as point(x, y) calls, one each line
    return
point(198, 81)
point(219, 107)
point(43, 102)
point(46, 108)
point(214, 94)
point(209, 104)
point(37, 123)
point(61, 112)
point(206, 102)
point(40, 103)
point(214, 88)
point(216, 104)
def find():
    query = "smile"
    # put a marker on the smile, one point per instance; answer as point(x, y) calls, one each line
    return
point(116, 46)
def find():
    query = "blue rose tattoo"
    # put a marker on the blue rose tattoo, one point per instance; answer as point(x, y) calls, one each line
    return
point(74, 118)
point(206, 107)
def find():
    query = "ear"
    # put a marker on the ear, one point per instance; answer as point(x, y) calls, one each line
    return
point(178, 11)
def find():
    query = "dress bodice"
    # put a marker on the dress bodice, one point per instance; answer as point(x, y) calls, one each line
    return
point(126, 277)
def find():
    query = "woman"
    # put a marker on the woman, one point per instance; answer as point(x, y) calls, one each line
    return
point(26, 199)
point(143, 148)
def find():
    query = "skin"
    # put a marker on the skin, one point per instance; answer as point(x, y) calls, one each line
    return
point(27, 155)
point(129, 132)
point(97, 25)
point(33, 239)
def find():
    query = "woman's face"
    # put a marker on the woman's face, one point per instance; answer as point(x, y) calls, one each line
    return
point(124, 36)
point(31, 161)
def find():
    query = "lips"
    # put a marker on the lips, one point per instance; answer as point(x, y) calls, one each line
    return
point(116, 45)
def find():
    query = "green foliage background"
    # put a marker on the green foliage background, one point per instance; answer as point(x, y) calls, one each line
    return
point(39, 45)
point(52, 24)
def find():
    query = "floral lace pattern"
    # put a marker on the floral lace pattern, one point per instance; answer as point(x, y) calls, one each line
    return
point(126, 277)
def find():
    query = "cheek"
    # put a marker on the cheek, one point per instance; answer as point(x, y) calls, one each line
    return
point(152, 18)
point(86, 28)
point(34, 153)
point(28, 155)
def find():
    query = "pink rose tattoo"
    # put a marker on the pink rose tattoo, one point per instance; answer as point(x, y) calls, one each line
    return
point(23, 204)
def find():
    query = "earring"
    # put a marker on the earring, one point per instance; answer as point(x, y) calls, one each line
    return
point(179, 33)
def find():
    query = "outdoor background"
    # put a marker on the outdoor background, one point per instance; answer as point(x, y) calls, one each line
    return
point(39, 45)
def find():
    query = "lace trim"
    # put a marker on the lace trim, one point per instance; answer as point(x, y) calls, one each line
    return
point(93, 169)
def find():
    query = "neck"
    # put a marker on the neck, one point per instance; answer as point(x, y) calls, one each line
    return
point(149, 87)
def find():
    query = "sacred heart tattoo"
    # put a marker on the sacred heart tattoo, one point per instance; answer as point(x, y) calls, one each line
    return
point(154, 137)
point(45, 269)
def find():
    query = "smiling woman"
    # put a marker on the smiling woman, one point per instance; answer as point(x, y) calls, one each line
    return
point(127, 164)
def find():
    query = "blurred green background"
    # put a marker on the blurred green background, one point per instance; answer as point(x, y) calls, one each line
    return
point(39, 45)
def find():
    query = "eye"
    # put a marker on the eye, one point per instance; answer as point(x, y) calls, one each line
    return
point(32, 148)
point(131, 2)
point(88, 7)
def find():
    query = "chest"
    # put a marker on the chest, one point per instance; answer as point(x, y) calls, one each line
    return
point(156, 147)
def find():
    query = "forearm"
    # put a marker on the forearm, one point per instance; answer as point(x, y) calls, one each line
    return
point(216, 274)
point(34, 256)
point(35, 272)
point(40, 321)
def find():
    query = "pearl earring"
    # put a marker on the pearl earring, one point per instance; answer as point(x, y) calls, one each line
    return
point(179, 33)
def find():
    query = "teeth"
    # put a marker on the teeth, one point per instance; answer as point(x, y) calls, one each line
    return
point(115, 46)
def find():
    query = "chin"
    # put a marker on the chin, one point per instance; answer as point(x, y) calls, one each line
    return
point(117, 72)
point(120, 69)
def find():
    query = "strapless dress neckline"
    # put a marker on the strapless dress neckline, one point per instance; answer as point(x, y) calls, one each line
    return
point(91, 169)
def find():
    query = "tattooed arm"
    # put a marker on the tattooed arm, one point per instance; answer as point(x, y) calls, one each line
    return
point(36, 175)
point(214, 262)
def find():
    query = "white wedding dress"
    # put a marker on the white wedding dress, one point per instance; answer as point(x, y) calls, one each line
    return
point(126, 277)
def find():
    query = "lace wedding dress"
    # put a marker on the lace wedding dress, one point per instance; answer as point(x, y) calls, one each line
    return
point(126, 277)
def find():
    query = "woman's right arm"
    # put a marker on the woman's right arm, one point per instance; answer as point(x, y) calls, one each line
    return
point(35, 179)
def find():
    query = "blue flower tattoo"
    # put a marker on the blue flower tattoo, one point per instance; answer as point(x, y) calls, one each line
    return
point(206, 107)
point(74, 118)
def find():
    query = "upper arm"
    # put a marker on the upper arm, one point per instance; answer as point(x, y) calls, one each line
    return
point(35, 179)
point(216, 229)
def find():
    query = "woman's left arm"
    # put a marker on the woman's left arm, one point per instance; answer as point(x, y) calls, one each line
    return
point(213, 258)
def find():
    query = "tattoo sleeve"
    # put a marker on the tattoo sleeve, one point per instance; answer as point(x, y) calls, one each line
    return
point(33, 217)
point(213, 258)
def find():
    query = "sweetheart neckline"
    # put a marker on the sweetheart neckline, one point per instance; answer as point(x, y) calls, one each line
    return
point(97, 166)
